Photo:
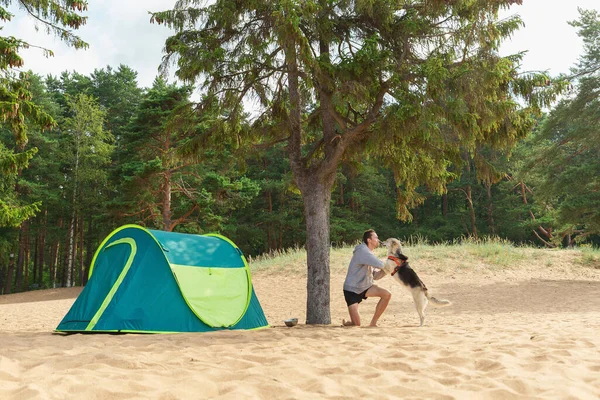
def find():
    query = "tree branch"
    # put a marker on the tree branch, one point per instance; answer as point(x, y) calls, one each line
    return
point(548, 244)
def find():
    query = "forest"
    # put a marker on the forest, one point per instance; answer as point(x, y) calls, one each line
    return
point(82, 155)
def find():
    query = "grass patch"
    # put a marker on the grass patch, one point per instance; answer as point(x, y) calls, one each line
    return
point(489, 254)
point(279, 261)
point(590, 257)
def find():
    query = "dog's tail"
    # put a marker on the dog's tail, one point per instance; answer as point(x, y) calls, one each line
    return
point(438, 303)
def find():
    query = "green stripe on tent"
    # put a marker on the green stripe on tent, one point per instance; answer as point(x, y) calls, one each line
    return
point(114, 288)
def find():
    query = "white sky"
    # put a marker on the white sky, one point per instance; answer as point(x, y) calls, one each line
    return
point(119, 32)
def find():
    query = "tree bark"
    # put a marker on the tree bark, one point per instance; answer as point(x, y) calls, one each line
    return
point(9, 274)
point(70, 247)
point(166, 206)
point(80, 250)
point(469, 196)
point(26, 261)
point(66, 257)
point(472, 212)
point(271, 240)
point(488, 186)
point(89, 252)
point(445, 204)
point(2, 278)
point(316, 209)
point(36, 248)
point(54, 271)
point(22, 256)
point(42, 249)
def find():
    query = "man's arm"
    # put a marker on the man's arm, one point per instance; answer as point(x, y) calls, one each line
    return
point(365, 257)
point(378, 274)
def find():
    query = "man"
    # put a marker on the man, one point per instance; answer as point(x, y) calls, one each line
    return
point(359, 280)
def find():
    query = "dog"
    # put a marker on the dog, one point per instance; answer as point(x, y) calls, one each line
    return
point(397, 266)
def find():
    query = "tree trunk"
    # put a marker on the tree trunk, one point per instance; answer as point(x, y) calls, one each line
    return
point(22, 256)
point(9, 274)
point(89, 252)
point(166, 206)
point(279, 224)
point(488, 186)
point(316, 209)
point(36, 257)
point(70, 249)
point(2, 272)
point(56, 252)
point(271, 241)
point(315, 181)
point(469, 196)
point(42, 249)
point(545, 232)
point(472, 212)
point(523, 194)
point(445, 204)
point(66, 253)
point(80, 250)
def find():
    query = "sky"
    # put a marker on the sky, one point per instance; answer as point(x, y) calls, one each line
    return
point(119, 32)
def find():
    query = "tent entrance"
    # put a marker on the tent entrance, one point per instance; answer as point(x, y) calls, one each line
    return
point(126, 249)
point(218, 296)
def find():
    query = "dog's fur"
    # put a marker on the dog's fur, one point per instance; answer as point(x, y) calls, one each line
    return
point(408, 278)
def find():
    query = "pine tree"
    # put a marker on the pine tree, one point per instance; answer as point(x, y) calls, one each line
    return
point(160, 187)
point(412, 82)
point(566, 166)
point(17, 109)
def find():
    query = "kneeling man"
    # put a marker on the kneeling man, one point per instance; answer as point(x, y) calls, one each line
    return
point(363, 268)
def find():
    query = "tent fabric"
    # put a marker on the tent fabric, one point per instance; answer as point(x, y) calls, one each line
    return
point(144, 280)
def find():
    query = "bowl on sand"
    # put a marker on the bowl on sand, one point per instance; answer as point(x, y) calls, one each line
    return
point(291, 322)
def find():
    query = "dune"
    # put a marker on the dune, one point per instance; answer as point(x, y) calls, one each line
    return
point(524, 333)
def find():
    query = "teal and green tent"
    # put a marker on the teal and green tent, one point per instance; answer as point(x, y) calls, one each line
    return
point(143, 280)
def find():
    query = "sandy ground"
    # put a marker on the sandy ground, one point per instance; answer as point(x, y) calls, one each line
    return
point(532, 333)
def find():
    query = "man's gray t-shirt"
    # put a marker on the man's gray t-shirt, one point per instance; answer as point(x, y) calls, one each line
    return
point(360, 271)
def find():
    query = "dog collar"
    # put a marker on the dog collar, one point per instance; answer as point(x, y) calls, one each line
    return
point(399, 263)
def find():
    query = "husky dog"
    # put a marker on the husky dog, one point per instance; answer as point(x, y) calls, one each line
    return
point(397, 266)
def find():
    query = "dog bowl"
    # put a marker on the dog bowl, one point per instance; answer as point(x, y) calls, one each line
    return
point(291, 322)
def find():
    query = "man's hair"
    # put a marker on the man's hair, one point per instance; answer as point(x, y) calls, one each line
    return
point(367, 235)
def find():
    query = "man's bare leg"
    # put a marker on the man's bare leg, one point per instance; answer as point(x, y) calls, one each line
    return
point(354, 316)
point(385, 296)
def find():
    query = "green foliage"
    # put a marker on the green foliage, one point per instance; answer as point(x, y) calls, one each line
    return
point(17, 109)
point(162, 185)
point(12, 213)
point(566, 166)
point(88, 146)
point(386, 75)
point(15, 99)
point(58, 18)
point(23, 115)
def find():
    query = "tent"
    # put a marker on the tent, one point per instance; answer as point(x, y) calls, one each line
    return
point(150, 281)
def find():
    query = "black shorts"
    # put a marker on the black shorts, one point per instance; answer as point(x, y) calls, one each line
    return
point(354, 298)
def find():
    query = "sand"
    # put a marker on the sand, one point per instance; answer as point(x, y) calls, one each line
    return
point(532, 333)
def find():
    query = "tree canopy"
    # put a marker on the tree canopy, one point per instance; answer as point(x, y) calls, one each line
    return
point(17, 110)
point(566, 166)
